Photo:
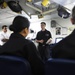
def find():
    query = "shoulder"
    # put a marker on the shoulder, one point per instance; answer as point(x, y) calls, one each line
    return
point(1, 32)
point(30, 45)
point(29, 42)
point(38, 32)
point(47, 31)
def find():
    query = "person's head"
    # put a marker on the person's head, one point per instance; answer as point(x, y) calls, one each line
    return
point(73, 15)
point(20, 25)
point(43, 25)
point(4, 28)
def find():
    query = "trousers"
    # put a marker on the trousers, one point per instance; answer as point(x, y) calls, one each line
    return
point(44, 52)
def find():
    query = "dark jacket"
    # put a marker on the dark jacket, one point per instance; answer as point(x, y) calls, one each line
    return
point(65, 48)
point(19, 46)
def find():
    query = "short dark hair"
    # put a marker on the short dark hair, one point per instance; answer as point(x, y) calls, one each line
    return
point(43, 23)
point(19, 23)
point(4, 26)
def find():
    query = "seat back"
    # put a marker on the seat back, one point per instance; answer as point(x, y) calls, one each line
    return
point(12, 65)
point(60, 67)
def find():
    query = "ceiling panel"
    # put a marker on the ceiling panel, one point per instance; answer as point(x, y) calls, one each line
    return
point(6, 15)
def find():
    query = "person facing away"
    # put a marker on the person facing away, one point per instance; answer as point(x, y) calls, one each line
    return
point(4, 35)
point(66, 47)
point(17, 45)
point(43, 38)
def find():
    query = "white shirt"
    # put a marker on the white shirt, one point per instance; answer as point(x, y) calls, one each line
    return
point(3, 36)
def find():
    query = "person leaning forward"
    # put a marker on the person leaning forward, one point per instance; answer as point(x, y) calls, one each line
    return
point(66, 47)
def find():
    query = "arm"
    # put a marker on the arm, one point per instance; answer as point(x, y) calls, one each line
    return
point(50, 39)
point(39, 41)
point(4, 40)
point(35, 60)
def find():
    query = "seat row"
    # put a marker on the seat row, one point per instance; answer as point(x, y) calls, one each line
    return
point(11, 65)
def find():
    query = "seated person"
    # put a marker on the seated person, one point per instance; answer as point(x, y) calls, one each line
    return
point(66, 47)
point(17, 45)
point(4, 35)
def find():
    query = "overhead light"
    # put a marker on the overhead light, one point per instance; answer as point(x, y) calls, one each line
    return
point(3, 5)
point(62, 12)
point(45, 3)
point(29, 0)
point(14, 6)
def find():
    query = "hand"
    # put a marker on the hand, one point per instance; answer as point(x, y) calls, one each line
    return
point(4, 40)
point(41, 41)
point(49, 41)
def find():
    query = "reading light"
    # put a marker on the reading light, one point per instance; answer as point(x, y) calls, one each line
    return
point(45, 3)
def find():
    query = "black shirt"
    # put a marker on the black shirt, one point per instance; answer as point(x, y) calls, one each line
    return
point(65, 48)
point(43, 35)
point(19, 46)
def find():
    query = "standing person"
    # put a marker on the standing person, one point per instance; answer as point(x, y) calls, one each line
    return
point(43, 38)
point(17, 45)
point(4, 35)
point(66, 47)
